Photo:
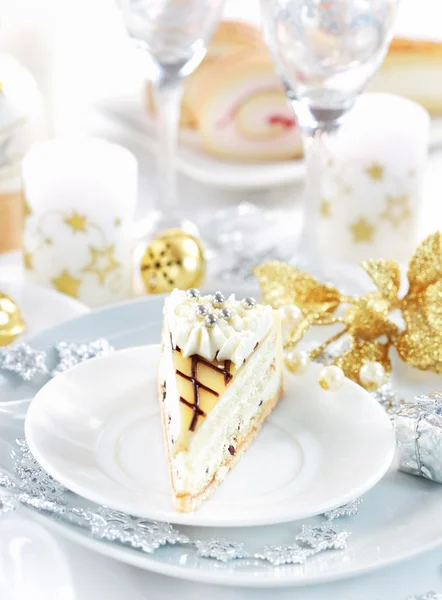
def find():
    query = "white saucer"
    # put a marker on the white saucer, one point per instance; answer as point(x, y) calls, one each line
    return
point(128, 117)
point(97, 430)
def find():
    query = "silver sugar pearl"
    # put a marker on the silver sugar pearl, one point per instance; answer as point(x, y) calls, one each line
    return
point(211, 320)
point(193, 293)
point(249, 303)
point(218, 299)
point(201, 311)
point(225, 313)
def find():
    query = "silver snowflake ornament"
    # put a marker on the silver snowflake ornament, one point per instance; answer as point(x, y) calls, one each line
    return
point(6, 481)
point(24, 361)
point(323, 537)
point(346, 510)
point(34, 481)
point(139, 533)
point(292, 554)
point(7, 504)
point(427, 596)
point(220, 549)
point(70, 354)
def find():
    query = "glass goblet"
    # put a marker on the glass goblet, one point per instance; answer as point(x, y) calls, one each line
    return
point(174, 36)
point(325, 52)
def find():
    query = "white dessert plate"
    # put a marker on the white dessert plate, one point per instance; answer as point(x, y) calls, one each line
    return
point(97, 430)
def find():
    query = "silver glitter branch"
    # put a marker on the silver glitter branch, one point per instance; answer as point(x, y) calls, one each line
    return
point(32, 486)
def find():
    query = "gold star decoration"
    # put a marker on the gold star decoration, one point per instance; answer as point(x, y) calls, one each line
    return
point(375, 171)
point(325, 209)
point(76, 221)
point(117, 222)
point(27, 260)
point(66, 284)
point(362, 231)
point(26, 208)
point(103, 262)
point(397, 210)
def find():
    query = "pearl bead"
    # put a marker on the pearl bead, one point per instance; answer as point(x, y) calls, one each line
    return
point(249, 303)
point(211, 320)
point(372, 375)
point(296, 361)
point(218, 299)
point(331, 378)
point(290, 314)
point(201, 311)
point(193, 293)
point(225, 314)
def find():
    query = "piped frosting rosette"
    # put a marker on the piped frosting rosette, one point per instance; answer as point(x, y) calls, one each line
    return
point(243, 112)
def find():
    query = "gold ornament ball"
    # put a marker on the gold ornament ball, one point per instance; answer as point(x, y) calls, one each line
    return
point(11, 322)
point(174, 259)
point(296, 361)
point(372, 375)
point(331, 378)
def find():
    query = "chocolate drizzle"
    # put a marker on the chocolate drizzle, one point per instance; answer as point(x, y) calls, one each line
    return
point(197, 385)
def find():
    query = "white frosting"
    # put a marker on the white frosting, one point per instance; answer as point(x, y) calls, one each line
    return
point(233, 340)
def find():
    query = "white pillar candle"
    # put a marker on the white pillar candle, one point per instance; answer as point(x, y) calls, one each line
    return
point(372, 181)
point(80, 199)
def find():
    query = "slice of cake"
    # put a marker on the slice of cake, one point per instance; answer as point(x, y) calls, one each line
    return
point(413, 69)
point(220, 376)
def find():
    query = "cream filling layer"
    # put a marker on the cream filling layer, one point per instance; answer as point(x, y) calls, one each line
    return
point(243, 400)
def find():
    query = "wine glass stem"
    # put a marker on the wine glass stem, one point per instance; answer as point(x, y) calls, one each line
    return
point(316, 155)
point(167, 95)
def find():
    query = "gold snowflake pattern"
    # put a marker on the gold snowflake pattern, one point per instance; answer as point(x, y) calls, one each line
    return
point(362, 231)
point(27, 260)
point(398, 210)
point(76, 221)
point(67, 284)
point(103, 262)
point(325, 209)
point(375, 171)
point(26, 208)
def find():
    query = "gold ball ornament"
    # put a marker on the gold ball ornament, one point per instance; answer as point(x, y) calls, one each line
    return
point(11, 322)
point(174, 259)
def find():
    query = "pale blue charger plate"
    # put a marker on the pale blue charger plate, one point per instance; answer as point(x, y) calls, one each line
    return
point(398, 519)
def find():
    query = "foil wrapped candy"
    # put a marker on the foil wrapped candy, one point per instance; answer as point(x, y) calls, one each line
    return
point(419, 437)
